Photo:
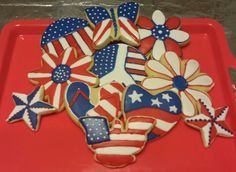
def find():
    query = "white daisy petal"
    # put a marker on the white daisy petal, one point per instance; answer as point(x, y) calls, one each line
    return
point(188, 107)
point(158, 49)
point(48, 60)
point(157, 67)
point(174, 61)
point(81, 62)
point(39, 75)
point(66, 55)
point(202, 80)
point(198, 95)
point(191, 67)
point(144, 33)
point(57, 95)
point(158, 17)
point(156, 83)
point(179, 35)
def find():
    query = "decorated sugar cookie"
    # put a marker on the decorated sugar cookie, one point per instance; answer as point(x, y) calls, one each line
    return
point(160, 35)
point(120, 63)
point(65, 33)
point(164, 107)
point(211, 123)
point(57, 72)
point(30, 108)
point(109, 104)
point(114, 24)
point(77, 100)
point(180, 76)
point(116, 146)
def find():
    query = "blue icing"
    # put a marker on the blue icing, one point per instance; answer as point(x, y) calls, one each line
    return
point(18, 101)
point(81, 104)
point(180, 83)
point(152, 136)
point(17, 115)
point(114, 21)
point(33, 117)
point(32, 95)
point(161, 32)
point(128, 10)
point(146, 100)
point(96, 129)
point(105, 60)
point(97, 14)
point(62, 28)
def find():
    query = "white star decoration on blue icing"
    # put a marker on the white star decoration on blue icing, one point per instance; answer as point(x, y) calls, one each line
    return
point(135, 97)
point(30, 108)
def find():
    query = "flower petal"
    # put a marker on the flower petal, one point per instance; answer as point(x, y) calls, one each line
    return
point(188, 106)
point(158, 17)
point(191, 67)
point(49, 60)
point(144, 33)
point(84, 63)
point(173, 23)
point(85, 76)
point(199, 95)
point(146, 44)
point(66, 55)
point(155, 67)
point(173, 62)
point(156, 84)
point(179, 36)
point(158, 49)
point(201, 80)
point(145, 23)
point(171, 45)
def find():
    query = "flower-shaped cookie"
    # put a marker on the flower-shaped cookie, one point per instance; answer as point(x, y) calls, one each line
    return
point(158, 35)
point(57, 72)
point(180, 76)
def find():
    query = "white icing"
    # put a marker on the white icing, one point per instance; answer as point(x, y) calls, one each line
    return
point(191, 67)
point(48, 60)
point(202, 80)
point(166, 97)
point(48, 84)
point(137, 137)
point(187, 106)
point(16, 110)
point(205, 134)
point(135, 55)
point(135, 97)
point(89, 32)
point(199, 95)
point(156, 83)
point(158, 49)
point(51, 49)
point(81, 62)
point(174, 61)
point(118, 126)
point(139, 125)
point(107, 106)
point(164, 125)
point(197, 117)
point(222, 132)
point(223, 114)
point(136, 66)
point(157, 67)
point(158, 17)
point(130, 28)
point(66, 55)
point(64, 43)
point(138, 77)
point(56, 97)
point(179, 35)
point(118, 150)
point(156, 102)
point(106, 36)
point(84, 78)
point(101, 29)
point(39, 75)
point(144, 33)
point(84, 47)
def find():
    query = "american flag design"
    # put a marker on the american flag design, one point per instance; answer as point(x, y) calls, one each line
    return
point(109, 104)
point(114, 24)
point(68, 32)
point(164, 107)
point(118, 145)
point(121, 63)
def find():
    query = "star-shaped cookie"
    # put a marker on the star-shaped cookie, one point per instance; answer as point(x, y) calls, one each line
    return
point(30, 108)
point(211, 123)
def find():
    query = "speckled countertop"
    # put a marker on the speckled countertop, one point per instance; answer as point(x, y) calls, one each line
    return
point(224, 11)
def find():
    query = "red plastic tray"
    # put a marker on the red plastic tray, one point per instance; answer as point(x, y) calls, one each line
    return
point(60, 144)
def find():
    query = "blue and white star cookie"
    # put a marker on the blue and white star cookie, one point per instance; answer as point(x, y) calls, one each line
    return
point(30, 108)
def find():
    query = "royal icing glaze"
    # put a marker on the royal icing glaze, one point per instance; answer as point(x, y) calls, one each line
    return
point(211, 123)
point(68, 32)
point(30, 108)
point(109, 104)
point(180, 76)
point(114, 24)
point(118, 145)
point(164, 107)
point(158, 35)
point(121, 63)
point(77, 100)
point(57, 72)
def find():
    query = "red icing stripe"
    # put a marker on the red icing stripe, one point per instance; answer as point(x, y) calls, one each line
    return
point(136, 61)
point(122, 25)
point(87, 39)
point(97, 28)
point(72, 42)
point(57, 45)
